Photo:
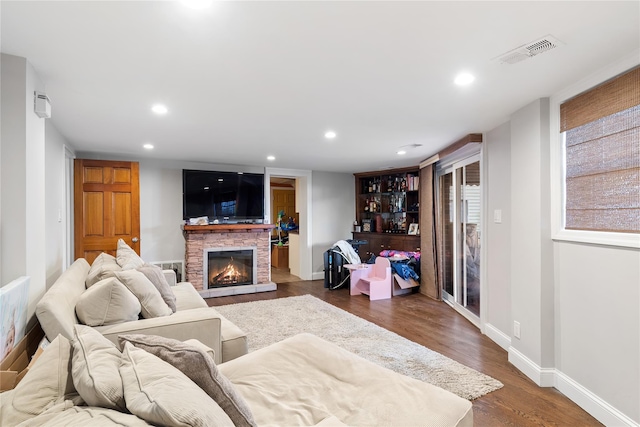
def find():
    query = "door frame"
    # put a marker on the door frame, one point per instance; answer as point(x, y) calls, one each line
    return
point(470, 153)
point(303, 203)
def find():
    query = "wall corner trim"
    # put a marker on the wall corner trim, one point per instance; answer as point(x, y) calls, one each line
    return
point(543, 377)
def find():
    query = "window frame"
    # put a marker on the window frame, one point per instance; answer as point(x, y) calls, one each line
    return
point(558, 163)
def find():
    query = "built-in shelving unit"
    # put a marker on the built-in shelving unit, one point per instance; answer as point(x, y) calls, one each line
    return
point(388, 210)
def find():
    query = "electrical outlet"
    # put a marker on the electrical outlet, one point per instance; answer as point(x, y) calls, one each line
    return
point(516, 329)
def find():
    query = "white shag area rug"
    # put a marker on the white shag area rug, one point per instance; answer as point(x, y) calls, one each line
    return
point(270, 321)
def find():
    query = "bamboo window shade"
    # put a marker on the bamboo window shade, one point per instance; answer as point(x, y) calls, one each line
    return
point(602, 146)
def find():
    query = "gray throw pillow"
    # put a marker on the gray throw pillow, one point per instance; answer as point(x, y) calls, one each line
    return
point(156, 276)
point(196, 364)
point(162, 395)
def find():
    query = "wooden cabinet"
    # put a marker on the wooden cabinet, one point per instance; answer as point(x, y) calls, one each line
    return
point(387, 203)
point(377, 242)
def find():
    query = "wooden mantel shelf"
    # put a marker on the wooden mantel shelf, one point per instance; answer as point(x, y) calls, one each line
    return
point(227, 228)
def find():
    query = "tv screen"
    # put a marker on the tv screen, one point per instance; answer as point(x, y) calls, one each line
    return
point(223, 196)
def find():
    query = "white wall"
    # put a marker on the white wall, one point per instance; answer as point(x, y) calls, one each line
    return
point(531, 252)
point(497, 290)
point(333, 213)
point(578, 303)
point(55, 212)
point(23, 178)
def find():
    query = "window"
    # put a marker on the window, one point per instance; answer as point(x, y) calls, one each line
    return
point(601, 135)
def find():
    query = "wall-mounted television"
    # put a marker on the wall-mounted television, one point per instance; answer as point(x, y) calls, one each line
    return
point(223, 196)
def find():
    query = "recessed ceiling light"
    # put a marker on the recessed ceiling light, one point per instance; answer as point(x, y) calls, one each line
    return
point(464, 79)
point(271, 158)
point(197, 4)
point(401, 152)
point(159, 109)
point(330, 134)
point(148, 146)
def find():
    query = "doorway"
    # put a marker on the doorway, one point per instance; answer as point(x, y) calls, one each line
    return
point(283, 238)
point(460, 219)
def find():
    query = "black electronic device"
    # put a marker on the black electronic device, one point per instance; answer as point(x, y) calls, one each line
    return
point(223, 197)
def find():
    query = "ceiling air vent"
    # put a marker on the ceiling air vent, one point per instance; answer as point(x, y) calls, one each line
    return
point(529, 50)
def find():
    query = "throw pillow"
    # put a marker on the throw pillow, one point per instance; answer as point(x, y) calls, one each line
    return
point(94, 367)
point(151, 302)
point(106, 303)
point(47, 383)
point(196, 364)
point(160, 394)
point(156, 276)
point(101, 268)
point(126, 257)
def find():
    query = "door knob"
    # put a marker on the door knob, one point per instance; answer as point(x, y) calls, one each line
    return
point(135, 240)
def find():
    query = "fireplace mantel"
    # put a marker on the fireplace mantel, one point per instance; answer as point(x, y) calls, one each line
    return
point(227, 228)
point(199, 237)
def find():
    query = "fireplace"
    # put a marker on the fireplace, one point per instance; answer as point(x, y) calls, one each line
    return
point(230, 266)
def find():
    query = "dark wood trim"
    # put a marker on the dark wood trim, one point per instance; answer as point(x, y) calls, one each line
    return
point(468, 139)
point(227, 228)
point(411, 169)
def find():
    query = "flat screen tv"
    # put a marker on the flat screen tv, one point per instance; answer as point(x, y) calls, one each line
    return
point(223, 196)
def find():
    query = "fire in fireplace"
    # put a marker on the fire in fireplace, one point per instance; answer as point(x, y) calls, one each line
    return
point(230, 267)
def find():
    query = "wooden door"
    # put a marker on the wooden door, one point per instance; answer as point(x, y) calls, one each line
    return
point(106, 207)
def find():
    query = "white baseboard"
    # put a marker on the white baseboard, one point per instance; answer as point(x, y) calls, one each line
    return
point(543, 377)
point(318, 275)
point(594, 405)
point(587, 400)
point(497, 336)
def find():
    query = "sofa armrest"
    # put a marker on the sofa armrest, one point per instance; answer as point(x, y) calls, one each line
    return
point(170, 275)
point(202, 324)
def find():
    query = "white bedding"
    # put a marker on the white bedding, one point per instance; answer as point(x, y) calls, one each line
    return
point(305, 380)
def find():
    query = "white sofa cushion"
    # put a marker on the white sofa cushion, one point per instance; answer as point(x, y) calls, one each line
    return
point(47, 383)
point(94, 367)
point(126, 257)
point(64, 414)
point(107, 302)
point(159, 393)
point(102, 267)
point(151, 302)
point(196, 364)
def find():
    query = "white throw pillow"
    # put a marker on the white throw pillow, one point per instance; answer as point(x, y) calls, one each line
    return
point(151, 302)
point(106, 303)
point(95, 371)
point(160, 394)
point(101, 268)
point(47, 383)
point(126, 257)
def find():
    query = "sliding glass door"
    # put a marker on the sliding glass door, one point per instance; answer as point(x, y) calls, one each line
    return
point(459, 221)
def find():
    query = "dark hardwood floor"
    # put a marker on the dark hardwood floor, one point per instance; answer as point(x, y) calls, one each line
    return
point(435, 325)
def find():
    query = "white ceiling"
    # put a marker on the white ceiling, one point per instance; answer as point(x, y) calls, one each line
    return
point(243, 80)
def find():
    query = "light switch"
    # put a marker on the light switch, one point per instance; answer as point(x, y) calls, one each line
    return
point(497, 216)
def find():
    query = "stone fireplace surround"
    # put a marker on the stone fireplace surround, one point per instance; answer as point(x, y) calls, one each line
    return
point(200, 237)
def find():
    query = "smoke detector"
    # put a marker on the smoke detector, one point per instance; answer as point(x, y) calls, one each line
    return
point(529, 50)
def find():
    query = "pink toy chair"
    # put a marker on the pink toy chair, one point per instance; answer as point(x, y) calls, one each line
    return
point(377, 283)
